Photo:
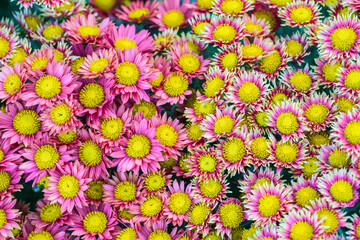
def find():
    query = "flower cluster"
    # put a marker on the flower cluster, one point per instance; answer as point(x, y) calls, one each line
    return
point(180, 120)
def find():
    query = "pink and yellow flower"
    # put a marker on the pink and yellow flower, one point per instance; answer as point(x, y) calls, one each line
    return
point(333, 157)
point(229, 58)
point(296, 46)
point(210, 191)
point(300, 13)
point(327, 72)
point(9, 217)
point(10, 179)
point(137, 11)
point(255, 27)
point(233, 8)
point(257, 49)
point(347, 79)
point(12, 82)
point(305, 191)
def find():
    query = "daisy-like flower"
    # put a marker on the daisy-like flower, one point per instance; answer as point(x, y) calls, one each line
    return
point(188, 63)
point(234, 8)
point(268, 203)
point(327, 72)
point(257, 120)
point(269, 232)
point(210, 191)
point(223, 31)
point(346, 131)
point(178, 204)
point(50, 33)
point(100, 63)
point(8, 220)
point(155, 183)
point(66, 9)
point(317, 140)
point(9, 157)
point(43, 157)
point(354, 227)
point(333, 157)
point(352, 4)
point(12, 82)
point(347, 79)
point(128, 233)
point(195, 136)
point(223, 123)
point(47, 87)
point(56, 232)
point(8, 43)
point(28, 19)
point(305, 191)
point(229, 215)
point(162, 67)
point(300, 13)
point(255, 27)
point(300, 224)
point(150, 210)
point(287, 120)
point(38, 61)
point(192, 41)
point(125, 37)
point(229, 58)
point(94, 222)
point(307, 168)
point(198, 217)
point(247, 91)
point(141, 149)
point(300, 81)
point(164, 40)
point(257, 149)
point(217, 82)
point(339, 188)
point(257, 49)
point(198, 23)
point(204, 164)
point(123, 190)
point(345, 102)
point(156, 231)
point(67, 186)
point(137, 11)
point(329, 217)
point(287, 154)
point(172, 14)
point(20, 125)
point(340, 39)
point(296, 46)
point(319, 111)
point(20, 53)
point(84, 29)
point(9, 181)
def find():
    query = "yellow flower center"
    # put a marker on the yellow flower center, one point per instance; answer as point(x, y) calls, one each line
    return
point(173, 18)
point(204, 108)
point(352, 132)
point(184, 166)
point(112, 128)
point(124, 213)
point(26, 122)
point(198, 213)
point(90, 153)
point(293, 47)
point(205, 3)
point(207, 163)
point(105, 5)
point(43, 235)
point(270, 63)
point(278, 97)
point(200, 27)
point(231, 215)
point(98, 65)
point(358, 230)
point(343, 38)
point(76, 64)
point(32, 22)
point(224, 124)
point(148, 108)
point(345, 105)
point(125, 191)
point(64, 6)
point(301, 14)
point(194, 132)
point(267, 16)
point(301, 81)
point(189, 63)
point(224, 32)
point(213, 85)
point(60, 114)
point(67, 137)
point(262, 119)
point(330, 220)
point(309, 167)
point(317, 113)
point(167, 135)
point(48, 86)
point(18, 56)
point(160, 77)
point(95, 222)
point(301, 231)
point(39, 63)
point(318, 138)
point(59, 56)
point(95, 190)
point(251, 27)
point(12, 84)
point(127, 73)
point(287, 123)
point(261, 182)
point(305, 195)
point(352, 79)
point(159, 235)
point(89, 30)
point(151, 206)
point(50, 212)
point(138, 146)
point(281, 3)
point(248, 92)
point(5, 180)
point(260, 147)
point(46, 157)
point(138, 13)
point(1, 155)
point(124, 43)
point(68, 186)
point(269, 205)
point(53, 31)
point(233, 149)
point(212, 236)
point(210, 188)
point(286, 152)
point(175, 85)
point(342, 191)
point(92, 95)
point(179, 203)
point(4, 46)
point(127, 234)
point(330, 71)
point(339, 158)
point(192, 47)
point(3, 218)
point(155, 181)
point(229, 61)
point(232, 6)
point(252, 50)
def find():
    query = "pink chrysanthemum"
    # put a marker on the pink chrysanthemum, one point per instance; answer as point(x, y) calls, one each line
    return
point(300, 13)
point(198, 23)
point(217, 82)
point(94, 222)
point(10, 179)
point(352, 4)
point(55, 232)
point(269, 232)
point(195, 137)
point(204, 164)
point(9, 156)
point(339, 188)
point(255, 27)
point(347, 79)
point(257, 120)
point(155, 183)
point(84, 29)
point(286, 119)
point(257, 49)
point(223, 31)
point(192, 41)
point(38, 61)
point(140, 150)
point(223, 123)
point(8, 217)
point(67, 186)
point(137, 11)
point(268, 203)
point(202, 107)
point(229, 215)
point(257, 149)
point(232, 8)
point(346, 132)
point(9, 42)
point(210, 191)
point(300, 224)
point(66, 9)
point(150, 210)
point(172, 14)
point(155, 231)
point(305, 191)
point(340, 39)
point(229, 58)
point(278, 94)
point(199, 223)
point(164, 40)
point(43, 157)
point(327, 72)
point(50, 33)
point(12, 82)
point(345, 102)
point(247, 91)
point(296, 46)
point(333, 157)
point(162, 67)
point(29, 20)
point(354, 227)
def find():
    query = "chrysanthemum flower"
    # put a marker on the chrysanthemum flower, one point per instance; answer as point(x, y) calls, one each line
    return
point(254, 180)
point(12, 82)
point(150, 210)
point(28, 19)
point(318, 139)
point(329, 217)
point(155, 183)
point(198, 217)
point(9, 156)
point(94, 222)
point(210, 191)
point(345, 102)
point(247, 91)
point(172, 14)
point(8, 220)
point(229, 58)
point(9, 181)
point(162, 68)
point(20, 53)
point(268, 203)
point(234, 8)
point(352, 4)
point(255, 27)
point(164, 40)
point(38, 61)
point(354, 227)
point(217, 82)
point(327, 72)
point(257, 149)
point(300, 13)
point(198, 23)
point(66, 9)
point(333, 157)
point(300, 224)
point(55, 232)
point(340, 39)
point(347, 79)
point(223, 31)
point(229, 215)
point(305, 191)
point(67, 186)
point(137, 11)
point(267, 232)
point(50, 33)
point(157, 230)
point(296, 46)
point(257, 120)
point(339, 188)
point(8, 42)
point(140, 150)
point(195, 136)
point(257, 49)
point(84, 29)
point(307, 168)
point(128, 233)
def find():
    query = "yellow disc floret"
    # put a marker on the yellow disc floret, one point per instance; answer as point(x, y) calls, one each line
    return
point(5, 180)
point(270, 63)
point(260, 147)
point(252, 51)
point(167, 135)
point(179, 203)
point(175, 85)
point(12, 84)
point(154, 181)
point(224, 124)
point(352, 132)
point(224, 32)
point(231, 215)
point(352, 79)
point(248, 92)
point(127, 73)
point(189, 63)
point(95, 190)
point(339, 158)
point(301, 231)
point(50, 212)
point(48, 86)
point(89, 30)
point(317, 113)
point(92, 95)
point(95, 222)
point(138, 146)
point(286, 152)
point(125, 191)
point(293, 47)
point(46, 157)
point(306, 194)
point(207, 163)
point(60, 113)
point(330, 219)
point(53, 32)
point(68, 186)
point(343, 38)
point(90, 153)
point(301, 81)
point(26, 122)
point(269, 205)
point(210, 188)
point(173, 18)
point(98, 65)
point(229, 61)
point(151, 206)
point(342, 191)
point(232, 6)
point(112, 128)
point(287, 123)
point(233, 149)
point(301, 14)
point(198, 213)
